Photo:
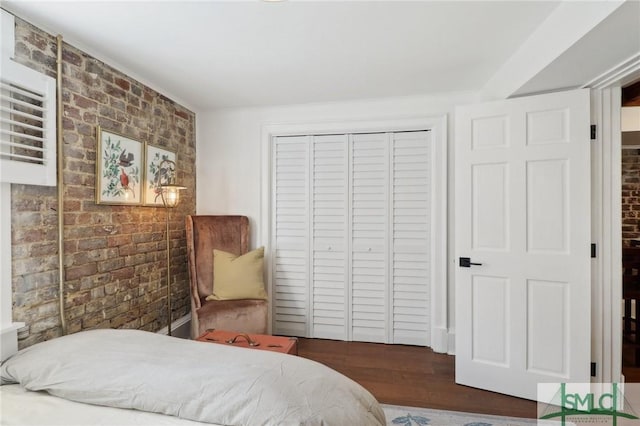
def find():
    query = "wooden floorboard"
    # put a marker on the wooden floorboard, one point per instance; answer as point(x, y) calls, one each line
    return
point(630, 366)
point(410, 375)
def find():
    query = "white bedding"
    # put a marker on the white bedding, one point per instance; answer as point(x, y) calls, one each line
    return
point(20, 407)
point(196, 381)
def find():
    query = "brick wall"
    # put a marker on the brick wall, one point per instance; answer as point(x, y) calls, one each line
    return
point(630, 195)
point(115, 258)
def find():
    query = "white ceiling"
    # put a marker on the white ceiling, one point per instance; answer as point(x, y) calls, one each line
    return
point(212, 54)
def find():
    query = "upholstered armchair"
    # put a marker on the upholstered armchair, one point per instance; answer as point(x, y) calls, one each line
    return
point(230, 234)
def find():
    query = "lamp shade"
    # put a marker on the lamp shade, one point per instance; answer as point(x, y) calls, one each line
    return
point(171, 194)
point(166, 183)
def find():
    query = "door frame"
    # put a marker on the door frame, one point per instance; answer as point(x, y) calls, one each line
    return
point(606, 226)
point(439, 322)
point(606, 231)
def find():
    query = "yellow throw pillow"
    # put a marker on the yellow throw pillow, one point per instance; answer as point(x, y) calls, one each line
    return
point(238, 277)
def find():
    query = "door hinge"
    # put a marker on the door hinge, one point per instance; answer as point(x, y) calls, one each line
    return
point(593, 369)
point(593, 132)
point(593, 250)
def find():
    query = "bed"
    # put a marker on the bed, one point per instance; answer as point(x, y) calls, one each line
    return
point(133, 377)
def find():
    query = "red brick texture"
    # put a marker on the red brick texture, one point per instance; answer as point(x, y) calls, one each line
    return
point(115, 258)
point(630, 196)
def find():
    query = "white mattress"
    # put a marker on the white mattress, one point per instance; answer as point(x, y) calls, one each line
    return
point(19, 406)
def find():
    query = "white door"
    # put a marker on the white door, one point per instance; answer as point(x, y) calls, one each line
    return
point(522, 201)
point(290, 236)
point(369, 237)
point(411, 254)
point(351, 228)
point(329, 207)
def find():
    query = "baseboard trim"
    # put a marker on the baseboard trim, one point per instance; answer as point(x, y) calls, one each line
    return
point(439, 340)
point(179, 328)
point(452, 343)
point(442, 340)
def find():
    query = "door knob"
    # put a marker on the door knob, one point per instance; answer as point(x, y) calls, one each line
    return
point(465, 262)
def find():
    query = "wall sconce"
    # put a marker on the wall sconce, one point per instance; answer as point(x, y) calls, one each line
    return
point(170, 194)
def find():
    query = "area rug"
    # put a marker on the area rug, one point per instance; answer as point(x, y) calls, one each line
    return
point(410, 416)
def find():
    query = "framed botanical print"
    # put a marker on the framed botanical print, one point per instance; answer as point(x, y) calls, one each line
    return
point(119, 163)
point(155, 174)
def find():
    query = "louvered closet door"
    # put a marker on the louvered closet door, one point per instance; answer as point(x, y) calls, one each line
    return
point(351, 232)
point(369, 231)
point(410, 257)
point(329, 206)
point(290, 235)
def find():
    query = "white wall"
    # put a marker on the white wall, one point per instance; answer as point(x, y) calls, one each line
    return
point(229, 161)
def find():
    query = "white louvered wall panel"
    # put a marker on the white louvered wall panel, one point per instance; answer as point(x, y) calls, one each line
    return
point(27, 125)
point(411, 195)
point(290, 235)
point(329, 223)
point(369, 223)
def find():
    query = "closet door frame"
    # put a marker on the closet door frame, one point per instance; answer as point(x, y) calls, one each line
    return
point(439, 198)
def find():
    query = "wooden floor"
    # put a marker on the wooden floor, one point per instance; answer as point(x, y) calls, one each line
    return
point(630, 368)
point(410, 375)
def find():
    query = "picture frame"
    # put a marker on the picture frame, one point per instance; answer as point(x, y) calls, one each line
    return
point(119, 168)
point(153, 157)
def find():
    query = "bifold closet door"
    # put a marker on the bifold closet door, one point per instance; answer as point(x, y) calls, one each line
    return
point(290, 235)
point(411, 237)
point(390, 237)
point(329, 212)
point(351, 234)
point(370, 292)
